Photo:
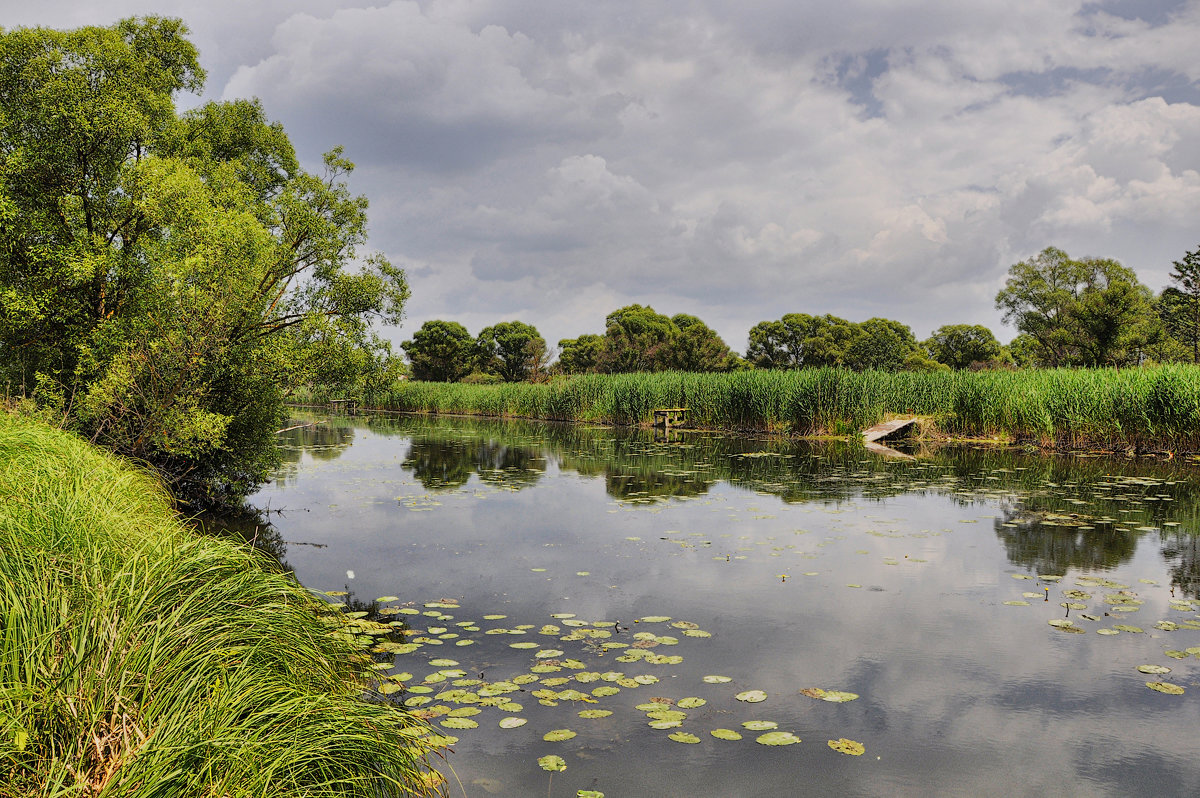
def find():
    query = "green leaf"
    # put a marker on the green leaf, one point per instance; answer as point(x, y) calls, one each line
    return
point(850, 747)
point(552, 763)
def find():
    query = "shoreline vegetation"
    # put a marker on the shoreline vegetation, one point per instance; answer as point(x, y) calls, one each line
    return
point(1145, 409)
point(139, 658)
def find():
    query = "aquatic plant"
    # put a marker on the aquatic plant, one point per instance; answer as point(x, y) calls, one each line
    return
point(1139, 408)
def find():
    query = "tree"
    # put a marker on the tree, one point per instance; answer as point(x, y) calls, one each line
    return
point(636, 338)
point(1091, 312)
point(961, 346)
point(798, 340)
point(165, 280)
point(1179, 304)
point(697, 347)
point(441, 351)
point(511, 349)
point(580, 355)
point(882, 344)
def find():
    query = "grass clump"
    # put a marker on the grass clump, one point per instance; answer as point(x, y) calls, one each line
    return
point(140, 659)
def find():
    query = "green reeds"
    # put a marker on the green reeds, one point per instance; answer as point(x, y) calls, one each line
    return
point(139, 659)
point(1141, 408)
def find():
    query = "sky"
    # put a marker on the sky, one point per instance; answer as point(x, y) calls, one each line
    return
point(552, 161)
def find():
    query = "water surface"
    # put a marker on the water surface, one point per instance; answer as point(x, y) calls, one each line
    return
point(810, 567)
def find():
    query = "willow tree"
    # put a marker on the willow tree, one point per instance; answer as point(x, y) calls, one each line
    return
point(167, 278)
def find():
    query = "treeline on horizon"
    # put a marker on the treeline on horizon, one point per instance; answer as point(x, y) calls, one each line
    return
point(1091, 312)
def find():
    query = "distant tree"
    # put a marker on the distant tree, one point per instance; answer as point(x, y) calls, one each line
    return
point(881, 344)
point(960, 346)
point(441, 351)
point(580, 355)
point(636, 338)
point(798, 340)
point(1090, 312)
point(1179, 304)
point(697, 347)
point(513, 350)
point(1025, 351)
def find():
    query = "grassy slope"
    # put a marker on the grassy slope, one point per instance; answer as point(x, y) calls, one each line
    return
point(140, 659)
point(1156, 407)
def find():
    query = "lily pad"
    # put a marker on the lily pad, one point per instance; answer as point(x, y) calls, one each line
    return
point(684, 737)
point(595, 713)
point(460, 723)
point(850, 747)
point(725, 734)
point(751, 696)
point(589, 794)
point(713, 679)
point(760, 725)
point(552, 763)
point(1165, 687)
point(512, 723)
point(558, 735)
point(1154, 669)
point(691, 702)
point(777, 738)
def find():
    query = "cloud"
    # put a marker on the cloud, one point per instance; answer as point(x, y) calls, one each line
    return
point(553, 161)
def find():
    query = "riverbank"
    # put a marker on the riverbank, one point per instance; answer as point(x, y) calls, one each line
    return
point(138, 658)
point(1144, 409)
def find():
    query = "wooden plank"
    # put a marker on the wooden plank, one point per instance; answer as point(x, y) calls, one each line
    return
point(880, 431)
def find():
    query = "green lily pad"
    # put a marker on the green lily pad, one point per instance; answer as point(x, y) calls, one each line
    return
point(1177, 654)
point(725, 734)
point(1124, 627)
point(460, 723)
point(713, 679)
point(558, 735)
point(595, 713)
point(1165, 687)
point(552, 763)
point(603, 692)
point(665, 724)
point(1154, 669)
point(589, 794)
point(512, 723)
point(654, 619)
point(464, 712)
point(777, 738)
point(751, 696)
point(849, 747)
point(760, 725)
point(684, 737)
point(523, 644)
point(1107, 632)
point(691, 702)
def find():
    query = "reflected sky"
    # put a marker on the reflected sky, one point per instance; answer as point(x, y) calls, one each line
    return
point(811, 567)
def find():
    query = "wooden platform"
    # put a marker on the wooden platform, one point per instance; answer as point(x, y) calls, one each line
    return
point(666, 416)
point(887, 428)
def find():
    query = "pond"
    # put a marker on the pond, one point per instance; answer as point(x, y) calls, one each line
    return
point(712, 615)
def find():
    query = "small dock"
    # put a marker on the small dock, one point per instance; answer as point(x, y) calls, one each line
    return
point(347, 407)
point(887, 429)
point(666, 416)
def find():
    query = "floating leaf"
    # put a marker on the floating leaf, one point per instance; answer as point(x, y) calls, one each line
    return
point(751, 696)
point(1155, 669)
point(552, 763)
point(717, 679)
point(1177, 654)
point(664, 724)
point(684, 737)
point(654, 619)
point(558, 735)
point(777, 738)
point(1124, 627)
point(460, 723)
point(589, 794)
point(1017, 603)
point(844, 746)
point(725, 734)
point(1165, 687)
point(760, 725)
point(691, 702)
point(1107, 632)
point(512, 723)
point(595, 713)
point(494, 617)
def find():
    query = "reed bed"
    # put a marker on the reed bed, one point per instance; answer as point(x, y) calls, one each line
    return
point(1142, 408)
point(139, 659)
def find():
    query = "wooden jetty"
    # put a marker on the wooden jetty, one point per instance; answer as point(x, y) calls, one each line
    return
point(887, 429)
point(666, 416)
point(343, 406)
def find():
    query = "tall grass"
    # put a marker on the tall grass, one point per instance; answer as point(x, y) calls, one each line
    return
point(139, 659)
point(1154, 407)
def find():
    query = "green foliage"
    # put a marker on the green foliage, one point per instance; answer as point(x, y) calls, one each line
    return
point(512, 350)
point(441, 351)
point(580, 355)
point(1091, 312)
point(1126, 408)
point(139, 659)
point(961, 346)
point(166, 280)
point(697, 347)
point(636, 339)
point(801, 341)
point(881, 344)
point(1179, 305)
